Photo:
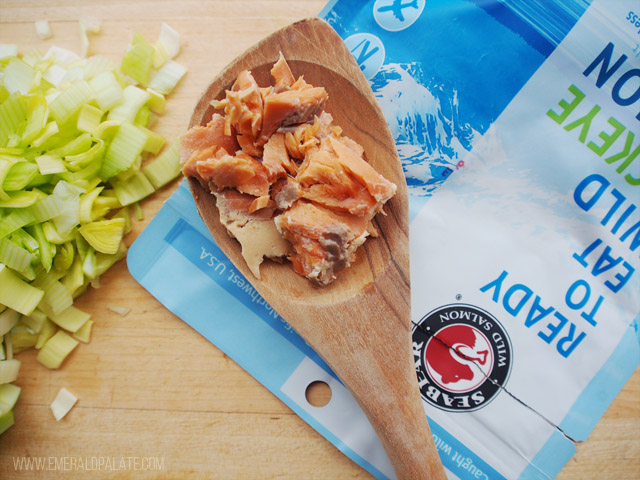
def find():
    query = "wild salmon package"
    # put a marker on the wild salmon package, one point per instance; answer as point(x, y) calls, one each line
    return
point(518, 125)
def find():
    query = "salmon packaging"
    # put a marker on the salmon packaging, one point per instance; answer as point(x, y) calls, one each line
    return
point(518, 125)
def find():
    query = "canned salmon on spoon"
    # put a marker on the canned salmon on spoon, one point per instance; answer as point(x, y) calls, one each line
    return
point(288, 146)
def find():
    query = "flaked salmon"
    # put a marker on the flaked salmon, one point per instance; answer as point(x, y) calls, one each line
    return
point(288, 183)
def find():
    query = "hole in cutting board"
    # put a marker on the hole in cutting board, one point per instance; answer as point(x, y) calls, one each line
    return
point(318, 393)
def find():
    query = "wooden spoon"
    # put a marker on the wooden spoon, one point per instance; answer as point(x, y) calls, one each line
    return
point(360, 324)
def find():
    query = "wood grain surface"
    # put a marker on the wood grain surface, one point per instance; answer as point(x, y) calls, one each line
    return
point(153, 394)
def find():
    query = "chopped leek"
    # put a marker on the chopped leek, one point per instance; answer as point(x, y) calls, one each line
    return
point(63, 403)
point(9, 370)
point(167, 77)
point(71, 319)
point(57, 348)
point(9, 394)
point(35, 321)
point(169, 39)
point(46, 332)
point(107, 90)
point(8, 320)
point(125, 148)
point(133, 189)
point(138, 60)
point(16, 293)
point(76, 148)
point(83, 334)
point(165, 167)
point(49, 164)
point(43, 29)
point(103, 235)
point(6, 421)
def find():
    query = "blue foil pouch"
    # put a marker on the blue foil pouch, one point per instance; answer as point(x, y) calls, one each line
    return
point(517, 124)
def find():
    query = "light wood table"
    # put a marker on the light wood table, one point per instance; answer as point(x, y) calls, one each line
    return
point(154, 393)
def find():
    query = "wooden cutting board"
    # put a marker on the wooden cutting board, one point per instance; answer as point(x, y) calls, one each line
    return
point(153, 394)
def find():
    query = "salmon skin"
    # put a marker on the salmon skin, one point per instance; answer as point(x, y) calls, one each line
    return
point(288, 183)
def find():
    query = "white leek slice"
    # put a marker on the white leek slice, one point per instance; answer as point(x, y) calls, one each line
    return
point(8, 50)
point(170, 40)
point(63, 403)
point(86, 26)
point(107, 90)
point(119, 310)
point(9, 370)
point(61, 55)
point(56, 350)
point(43, 29)
point(165, 79)
point(133, 99)
point(68, 196)
point(49, 164)
point(18, 76)
point(17, 294)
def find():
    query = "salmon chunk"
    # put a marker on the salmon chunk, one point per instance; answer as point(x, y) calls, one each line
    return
point(200, 137)
point(289, 108)
point(288, 183)
point(324, 241)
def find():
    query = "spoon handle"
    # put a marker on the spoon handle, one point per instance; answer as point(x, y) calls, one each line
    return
point(383, 381)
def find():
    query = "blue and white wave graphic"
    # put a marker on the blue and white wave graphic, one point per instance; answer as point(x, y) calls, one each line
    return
point(425, 122)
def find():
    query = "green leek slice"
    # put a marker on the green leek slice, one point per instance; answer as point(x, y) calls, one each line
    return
point(56, 350)
point(70, 101)
point(9, 370)
point(138, 60)
point(133, 189)
point(6, 421)
point(14, 256)
point(125, 147)
point(35, 321)
point(16, 293)
point(83, 334)
point(46, 332)
point(9, 394)
point(8, 319)
point(165, 167)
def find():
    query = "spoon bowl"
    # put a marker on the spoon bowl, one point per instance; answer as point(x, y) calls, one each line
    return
point(360, 323)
